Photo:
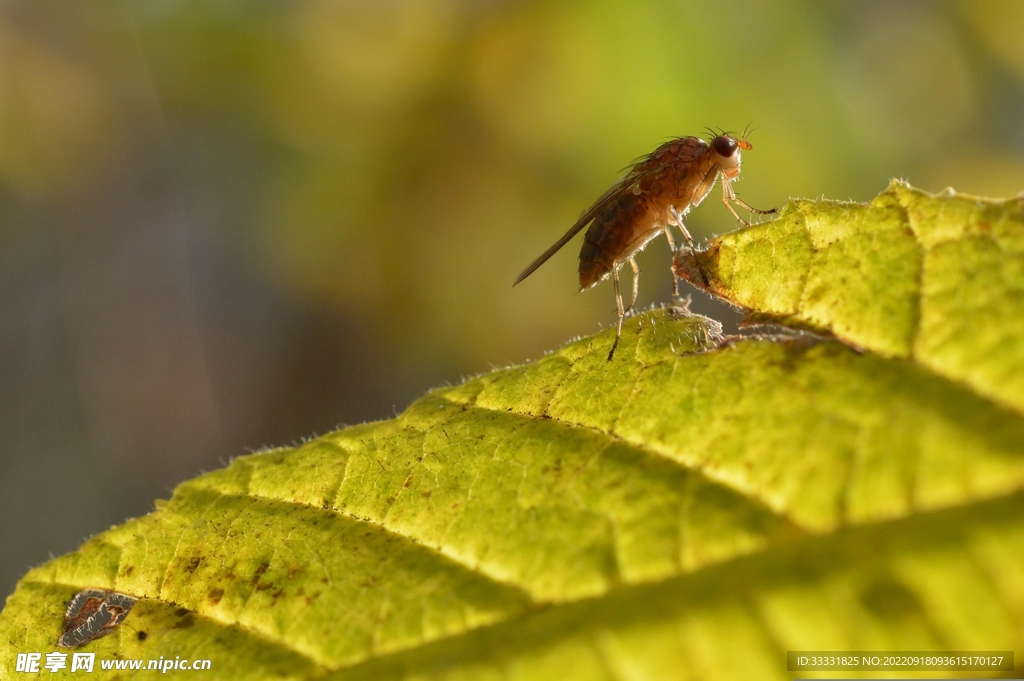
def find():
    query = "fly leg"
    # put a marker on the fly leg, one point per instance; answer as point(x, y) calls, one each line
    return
point(636, 282)
point(678, 219)
point(622, 312)
point(729, 194)
point(672, 245)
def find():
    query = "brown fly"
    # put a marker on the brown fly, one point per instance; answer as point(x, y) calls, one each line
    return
point(655, 195)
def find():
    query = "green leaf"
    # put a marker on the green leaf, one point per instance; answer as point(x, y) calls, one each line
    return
point(692, 509)
point(937, 279)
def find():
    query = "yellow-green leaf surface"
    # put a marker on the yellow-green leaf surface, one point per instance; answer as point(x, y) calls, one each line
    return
point(691, 510)
point(935, 279)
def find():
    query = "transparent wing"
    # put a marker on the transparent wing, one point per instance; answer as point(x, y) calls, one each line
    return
point(607, 198)
point(681, 150)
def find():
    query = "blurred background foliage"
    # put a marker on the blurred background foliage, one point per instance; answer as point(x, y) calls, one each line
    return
point(227, 224)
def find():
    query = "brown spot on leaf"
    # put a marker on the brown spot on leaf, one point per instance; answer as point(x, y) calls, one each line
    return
point(187, 621)
point(263, 567)
point(891, 599)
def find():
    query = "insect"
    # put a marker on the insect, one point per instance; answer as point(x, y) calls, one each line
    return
point(654, 196)
point(93, 613)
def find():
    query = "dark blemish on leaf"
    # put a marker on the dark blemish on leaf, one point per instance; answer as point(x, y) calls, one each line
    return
point(455, 505)
point(890, 599)
point(426, 495)
point(231, 576)
point(215, 596)
point(277, 594)
point(189, 620)
point(294, 570)
point(129, 571)
point(407, 483)
point(263, 567)
point(93, 613)
point(181, 612)
point(193, 564)
point(142, 636)
point(389, 500)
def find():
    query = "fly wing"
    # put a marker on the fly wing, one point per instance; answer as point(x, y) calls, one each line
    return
point(611, 195)
point(682, 150)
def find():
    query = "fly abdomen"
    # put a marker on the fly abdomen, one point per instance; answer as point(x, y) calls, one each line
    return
point(594, 266)
point(615, 235)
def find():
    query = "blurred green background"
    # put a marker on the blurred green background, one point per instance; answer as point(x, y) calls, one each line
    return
point(232, 224)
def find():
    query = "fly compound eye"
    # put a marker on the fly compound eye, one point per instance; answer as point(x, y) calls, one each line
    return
point(724, 146)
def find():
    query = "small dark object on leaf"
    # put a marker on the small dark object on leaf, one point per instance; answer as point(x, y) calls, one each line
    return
point(93, 613)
